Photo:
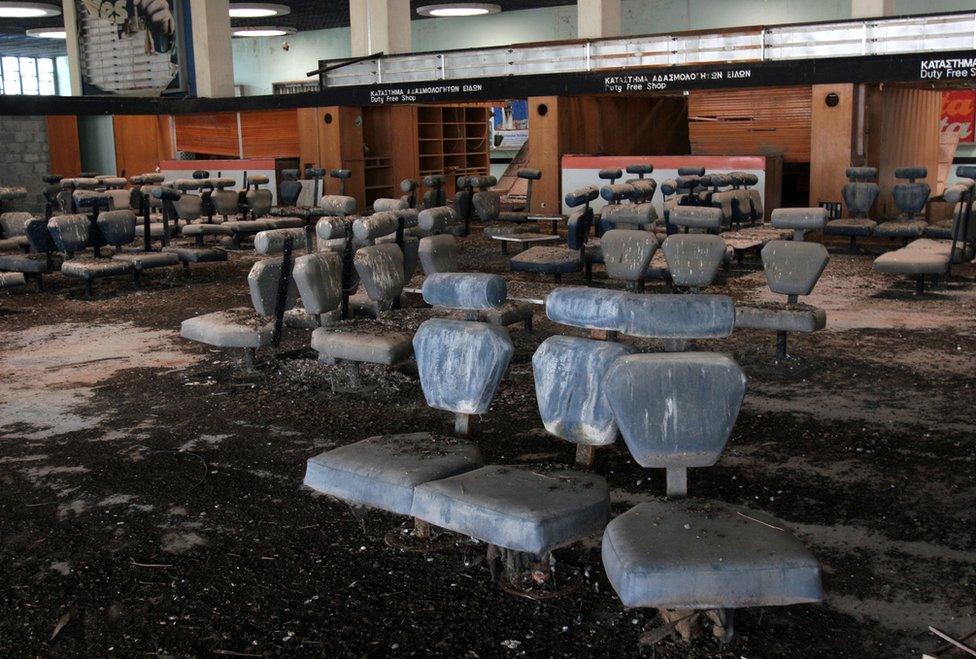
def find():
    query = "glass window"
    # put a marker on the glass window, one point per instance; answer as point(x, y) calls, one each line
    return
point(45, 77)
point(28, 76)
point(11, 75)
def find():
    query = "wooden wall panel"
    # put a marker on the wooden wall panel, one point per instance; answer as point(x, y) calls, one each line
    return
point(211, 134)
point(341, 146)
point(141, 141)
point(63, 145)
point(832, 139)
point(270, 134)
point(765, 121)
point(308, 137)
point(545, 152)
point(909, 136)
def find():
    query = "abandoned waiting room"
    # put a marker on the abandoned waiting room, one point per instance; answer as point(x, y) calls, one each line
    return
point(523, 328)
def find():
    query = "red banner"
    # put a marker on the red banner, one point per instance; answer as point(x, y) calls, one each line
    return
point(959, 114)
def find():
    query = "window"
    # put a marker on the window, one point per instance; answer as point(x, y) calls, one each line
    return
point(31, 76)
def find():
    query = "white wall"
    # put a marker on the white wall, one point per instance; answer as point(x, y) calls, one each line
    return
point(260, 62)
point(96, 139)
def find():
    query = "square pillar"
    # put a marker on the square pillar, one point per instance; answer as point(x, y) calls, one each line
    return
point(598, 18)
point(379, 26)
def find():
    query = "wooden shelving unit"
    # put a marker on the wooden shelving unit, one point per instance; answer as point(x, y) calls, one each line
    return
point(453, 141)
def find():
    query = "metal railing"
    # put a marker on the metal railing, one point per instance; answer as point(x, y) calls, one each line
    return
point(884, 36)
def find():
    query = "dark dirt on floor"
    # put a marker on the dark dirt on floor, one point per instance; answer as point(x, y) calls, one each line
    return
point(151, 498)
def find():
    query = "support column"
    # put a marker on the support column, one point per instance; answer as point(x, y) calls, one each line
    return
point(213, 59)
point(872, 8)
point(379, 26)
point(70, 14)
point(598, 18)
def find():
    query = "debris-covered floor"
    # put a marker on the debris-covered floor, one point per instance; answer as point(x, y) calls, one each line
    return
point(151, 498)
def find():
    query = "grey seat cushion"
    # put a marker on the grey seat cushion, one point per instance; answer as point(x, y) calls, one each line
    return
point(156, 230)
point(901, 228)
point(382, 472)
point(198, 254)
point(939, 231)
point(387, 349)
point(285, 222)
point(149, 260)
point(517, 508)
point(85, 268)
point(15, 244)
point(207, 230)
point(234, 328)
point(780, 318)
point(550, 260)
point(29, 263)
point(687, 554)
point(909, 261)
point(851, 226)
point(507, 229)
point(12, 280)
point(247, 226)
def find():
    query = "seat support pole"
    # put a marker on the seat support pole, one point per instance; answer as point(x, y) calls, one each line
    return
point(677, 482)
point(462, 424)
point(781, 345)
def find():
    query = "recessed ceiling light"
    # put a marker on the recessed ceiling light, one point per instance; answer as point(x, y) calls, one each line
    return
point(263, 31)
point(452, 9)
point(48, 32)
point(27, 10)
point(257, 10)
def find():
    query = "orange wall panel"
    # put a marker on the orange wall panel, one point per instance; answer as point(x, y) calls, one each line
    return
point(63, 145)
point(270, 134)
point(211, 134)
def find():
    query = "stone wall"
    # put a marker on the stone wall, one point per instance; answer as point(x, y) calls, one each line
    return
point(24, 158)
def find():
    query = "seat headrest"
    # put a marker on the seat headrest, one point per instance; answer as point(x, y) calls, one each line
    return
point(152, 178)
point(408, 185)
point(341, 173)
point(911, 173)
point(688, 181)
point(691, 171)
point(643, 315)
point(465, 290)
point(187, 184)
point(332, 228)
point(610, 174)
point(675, 410)
point(746, 178)
point(696, 217)
point(223, 183)
point(433, 181)
point(389, 205)
point(81, 182)
point(463, 182)
point(802, 219)
point(966, 171)
point(618, 192)
point(374, 226)
point(257, 179)
point(862, 173)
point(582, 196)
point(201, 174)
point(289, 175)
point(435, 220)
point(337, 204)
point(51, 179)
point(272, 241)
point(315, 172)
point(717, 180)
point(640, 169)
point(113, 181)
point(166, 194)
point(529, 174)
point(91, 198)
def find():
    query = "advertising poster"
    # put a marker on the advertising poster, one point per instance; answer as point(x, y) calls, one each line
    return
point(510, 126)
point(958, 114)
point(129, 47)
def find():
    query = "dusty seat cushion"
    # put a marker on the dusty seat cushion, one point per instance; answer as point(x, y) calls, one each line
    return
point(382, 472)
point(29, 263)
point(15, 244)
point(247, 226)
point(234, 328)
point(386, 349)
point(550, 260)
point(207, 230)
point(85, 268)
point(852, 226)
point(908, 261)
point(516, 508)
point(198, 254)
point(149, 260)
point(507, 230)
point(901, 228)
point(285, 222)
point(686, 554)
point(780, 318)
point(12, 280)
point(514, 217)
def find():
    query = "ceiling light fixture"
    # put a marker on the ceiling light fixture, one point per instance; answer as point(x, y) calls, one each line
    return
point(257, 10)
point(27, 10)
point(48, 32)
point(263, 31)
point(454, 9)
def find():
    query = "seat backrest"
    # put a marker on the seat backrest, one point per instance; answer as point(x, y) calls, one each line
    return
point(263, 281)
point(470, 291)
point(189, 207)
point(70, 233)
point(38, 235)
point(793, 267)
point(290, 188)
point(338, 205)
point(319, 280)
point(117, 227)
point(488, 205)
point(259, 201)
point(911, 197)
point(438, 253)
point(861, 193)
point(693, 258)
point(225, 202)
point(388, 205)
point(627, 253)
point(14, 224)
point(380, 269)
point(437, 220)
point(675, 410)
